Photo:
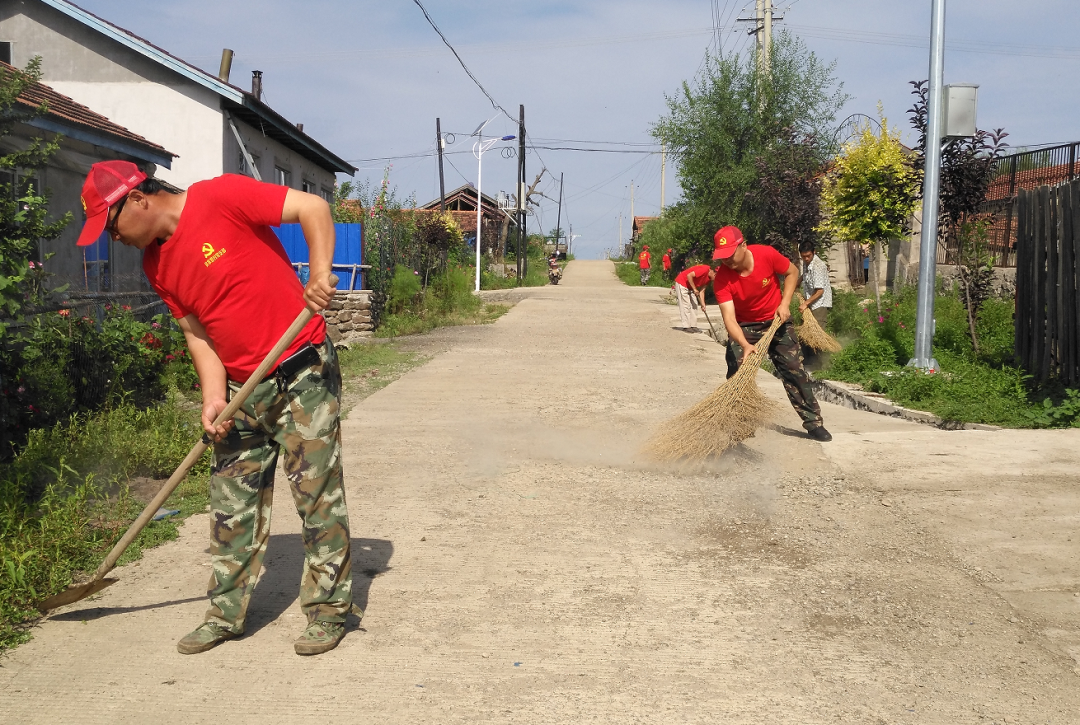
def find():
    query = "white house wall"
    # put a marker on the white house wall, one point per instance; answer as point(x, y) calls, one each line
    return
point(117, 82)
point(269, 154)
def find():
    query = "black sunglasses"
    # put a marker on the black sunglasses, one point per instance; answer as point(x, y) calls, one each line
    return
point(110, 225)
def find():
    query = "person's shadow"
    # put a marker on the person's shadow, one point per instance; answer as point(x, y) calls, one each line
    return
point(284, 563)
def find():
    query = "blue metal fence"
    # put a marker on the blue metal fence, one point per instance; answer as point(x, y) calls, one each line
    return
point(348, 253)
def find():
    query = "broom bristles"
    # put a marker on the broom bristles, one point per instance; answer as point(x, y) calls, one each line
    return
point(813, 335)
point(727, 416)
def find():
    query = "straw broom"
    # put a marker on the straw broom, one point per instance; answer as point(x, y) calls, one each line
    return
point(813, 335)
point(724, 418)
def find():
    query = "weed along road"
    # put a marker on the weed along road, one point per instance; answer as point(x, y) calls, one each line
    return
point(519, 562)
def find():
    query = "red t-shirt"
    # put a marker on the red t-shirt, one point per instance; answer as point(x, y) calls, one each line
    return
point(701, 276)
point(225, 265)
point(667, 262)
point(644, 260)
point(758, 295)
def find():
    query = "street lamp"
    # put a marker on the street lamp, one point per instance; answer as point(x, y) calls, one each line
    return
point(478, 151)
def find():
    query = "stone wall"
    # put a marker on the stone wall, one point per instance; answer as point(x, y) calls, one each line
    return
point(349, 316)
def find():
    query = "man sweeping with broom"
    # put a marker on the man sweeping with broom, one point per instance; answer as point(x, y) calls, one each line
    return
point(210, 254)
point(750, 298)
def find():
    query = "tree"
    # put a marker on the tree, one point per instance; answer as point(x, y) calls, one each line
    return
point(967, 169)
point(787, 196)
point(23, 208)
point(871, 193)
point(734, 115)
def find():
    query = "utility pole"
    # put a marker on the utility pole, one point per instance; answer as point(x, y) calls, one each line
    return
point(621, 242)
point(924, 315)
point(522, 266)
point(631, 206)
point(663, 169)
point(766, 45)
point(442, 183)
point(759, 24)
point(558, 222)
point(761, 29)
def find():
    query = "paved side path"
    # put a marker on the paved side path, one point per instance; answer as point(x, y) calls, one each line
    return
point(519, 563)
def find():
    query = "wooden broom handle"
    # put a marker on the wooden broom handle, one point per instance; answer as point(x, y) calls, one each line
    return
point(192, 457)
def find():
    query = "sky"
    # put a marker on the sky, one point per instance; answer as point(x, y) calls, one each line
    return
point(368, 79)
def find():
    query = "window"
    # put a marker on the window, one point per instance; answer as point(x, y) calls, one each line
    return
point(307, 187)
point(282, 176)
point(5, 51)
point(328, 194)
point(241, 164)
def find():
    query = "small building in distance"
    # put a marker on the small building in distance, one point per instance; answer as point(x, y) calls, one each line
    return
point(86, 137)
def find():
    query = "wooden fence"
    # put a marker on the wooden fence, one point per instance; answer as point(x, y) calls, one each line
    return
point(1047, 321)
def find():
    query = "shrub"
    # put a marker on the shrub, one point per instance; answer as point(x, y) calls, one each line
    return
point(404, 287)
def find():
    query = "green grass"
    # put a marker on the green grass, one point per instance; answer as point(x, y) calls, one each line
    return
point(630, 273)
point(448, 300)
point(984, 387)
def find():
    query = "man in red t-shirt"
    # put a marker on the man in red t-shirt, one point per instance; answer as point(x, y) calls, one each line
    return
point(211, 255)
point(666, 260)
point(749, 295)
point(645, 264)
point(692, 281)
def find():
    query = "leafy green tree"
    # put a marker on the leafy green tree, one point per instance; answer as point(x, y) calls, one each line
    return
point(23, 209)
point(733, 115)
point(871, 193)
point(968, 166)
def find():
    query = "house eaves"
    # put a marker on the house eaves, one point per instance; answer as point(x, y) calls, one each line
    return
point(104, 140)
point(245, 105)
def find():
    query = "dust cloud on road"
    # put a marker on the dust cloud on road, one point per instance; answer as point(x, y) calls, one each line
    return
point(519, 562)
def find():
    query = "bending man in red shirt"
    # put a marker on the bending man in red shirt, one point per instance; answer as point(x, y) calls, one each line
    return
point(746, 289)
point(689, 282)
point(210, 254)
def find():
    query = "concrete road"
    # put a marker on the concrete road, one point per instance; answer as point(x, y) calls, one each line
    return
point(520, 563)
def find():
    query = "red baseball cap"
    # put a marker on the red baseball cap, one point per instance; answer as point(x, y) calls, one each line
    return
point(107, 183)
point(726, 241)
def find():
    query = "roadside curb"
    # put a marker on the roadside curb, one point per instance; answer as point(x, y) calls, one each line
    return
point(854, 397)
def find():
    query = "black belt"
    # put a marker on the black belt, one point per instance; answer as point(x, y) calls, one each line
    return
point(305, 357)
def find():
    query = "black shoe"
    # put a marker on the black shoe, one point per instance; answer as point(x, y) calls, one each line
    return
point(692, 329)
point(820, 434)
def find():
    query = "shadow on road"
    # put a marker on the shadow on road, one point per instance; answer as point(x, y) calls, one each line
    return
point(280, 584)
point(80, 615)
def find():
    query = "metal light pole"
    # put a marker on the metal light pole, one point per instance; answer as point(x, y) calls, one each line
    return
point(478, 150)
point(924, 318)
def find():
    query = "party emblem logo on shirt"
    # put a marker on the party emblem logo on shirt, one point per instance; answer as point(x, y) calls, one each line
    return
point(210, 254)
point(765, 282)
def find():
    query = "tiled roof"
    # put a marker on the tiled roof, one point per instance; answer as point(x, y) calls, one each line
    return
point(71, 112)
point(641, 221)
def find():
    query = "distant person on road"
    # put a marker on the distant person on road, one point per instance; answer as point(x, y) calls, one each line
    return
point(666, 260)
point(750, 298)
point(645, 263)
point(211, 255)
point(691, 283)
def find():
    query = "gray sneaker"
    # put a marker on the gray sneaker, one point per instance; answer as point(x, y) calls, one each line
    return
point(319, 637)
point(207, 636)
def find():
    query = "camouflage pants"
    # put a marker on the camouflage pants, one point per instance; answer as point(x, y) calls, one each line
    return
point(302, 419)
point(645, 271)
point(787, 359)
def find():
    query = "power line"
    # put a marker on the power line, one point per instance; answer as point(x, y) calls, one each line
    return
point(469, 72)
